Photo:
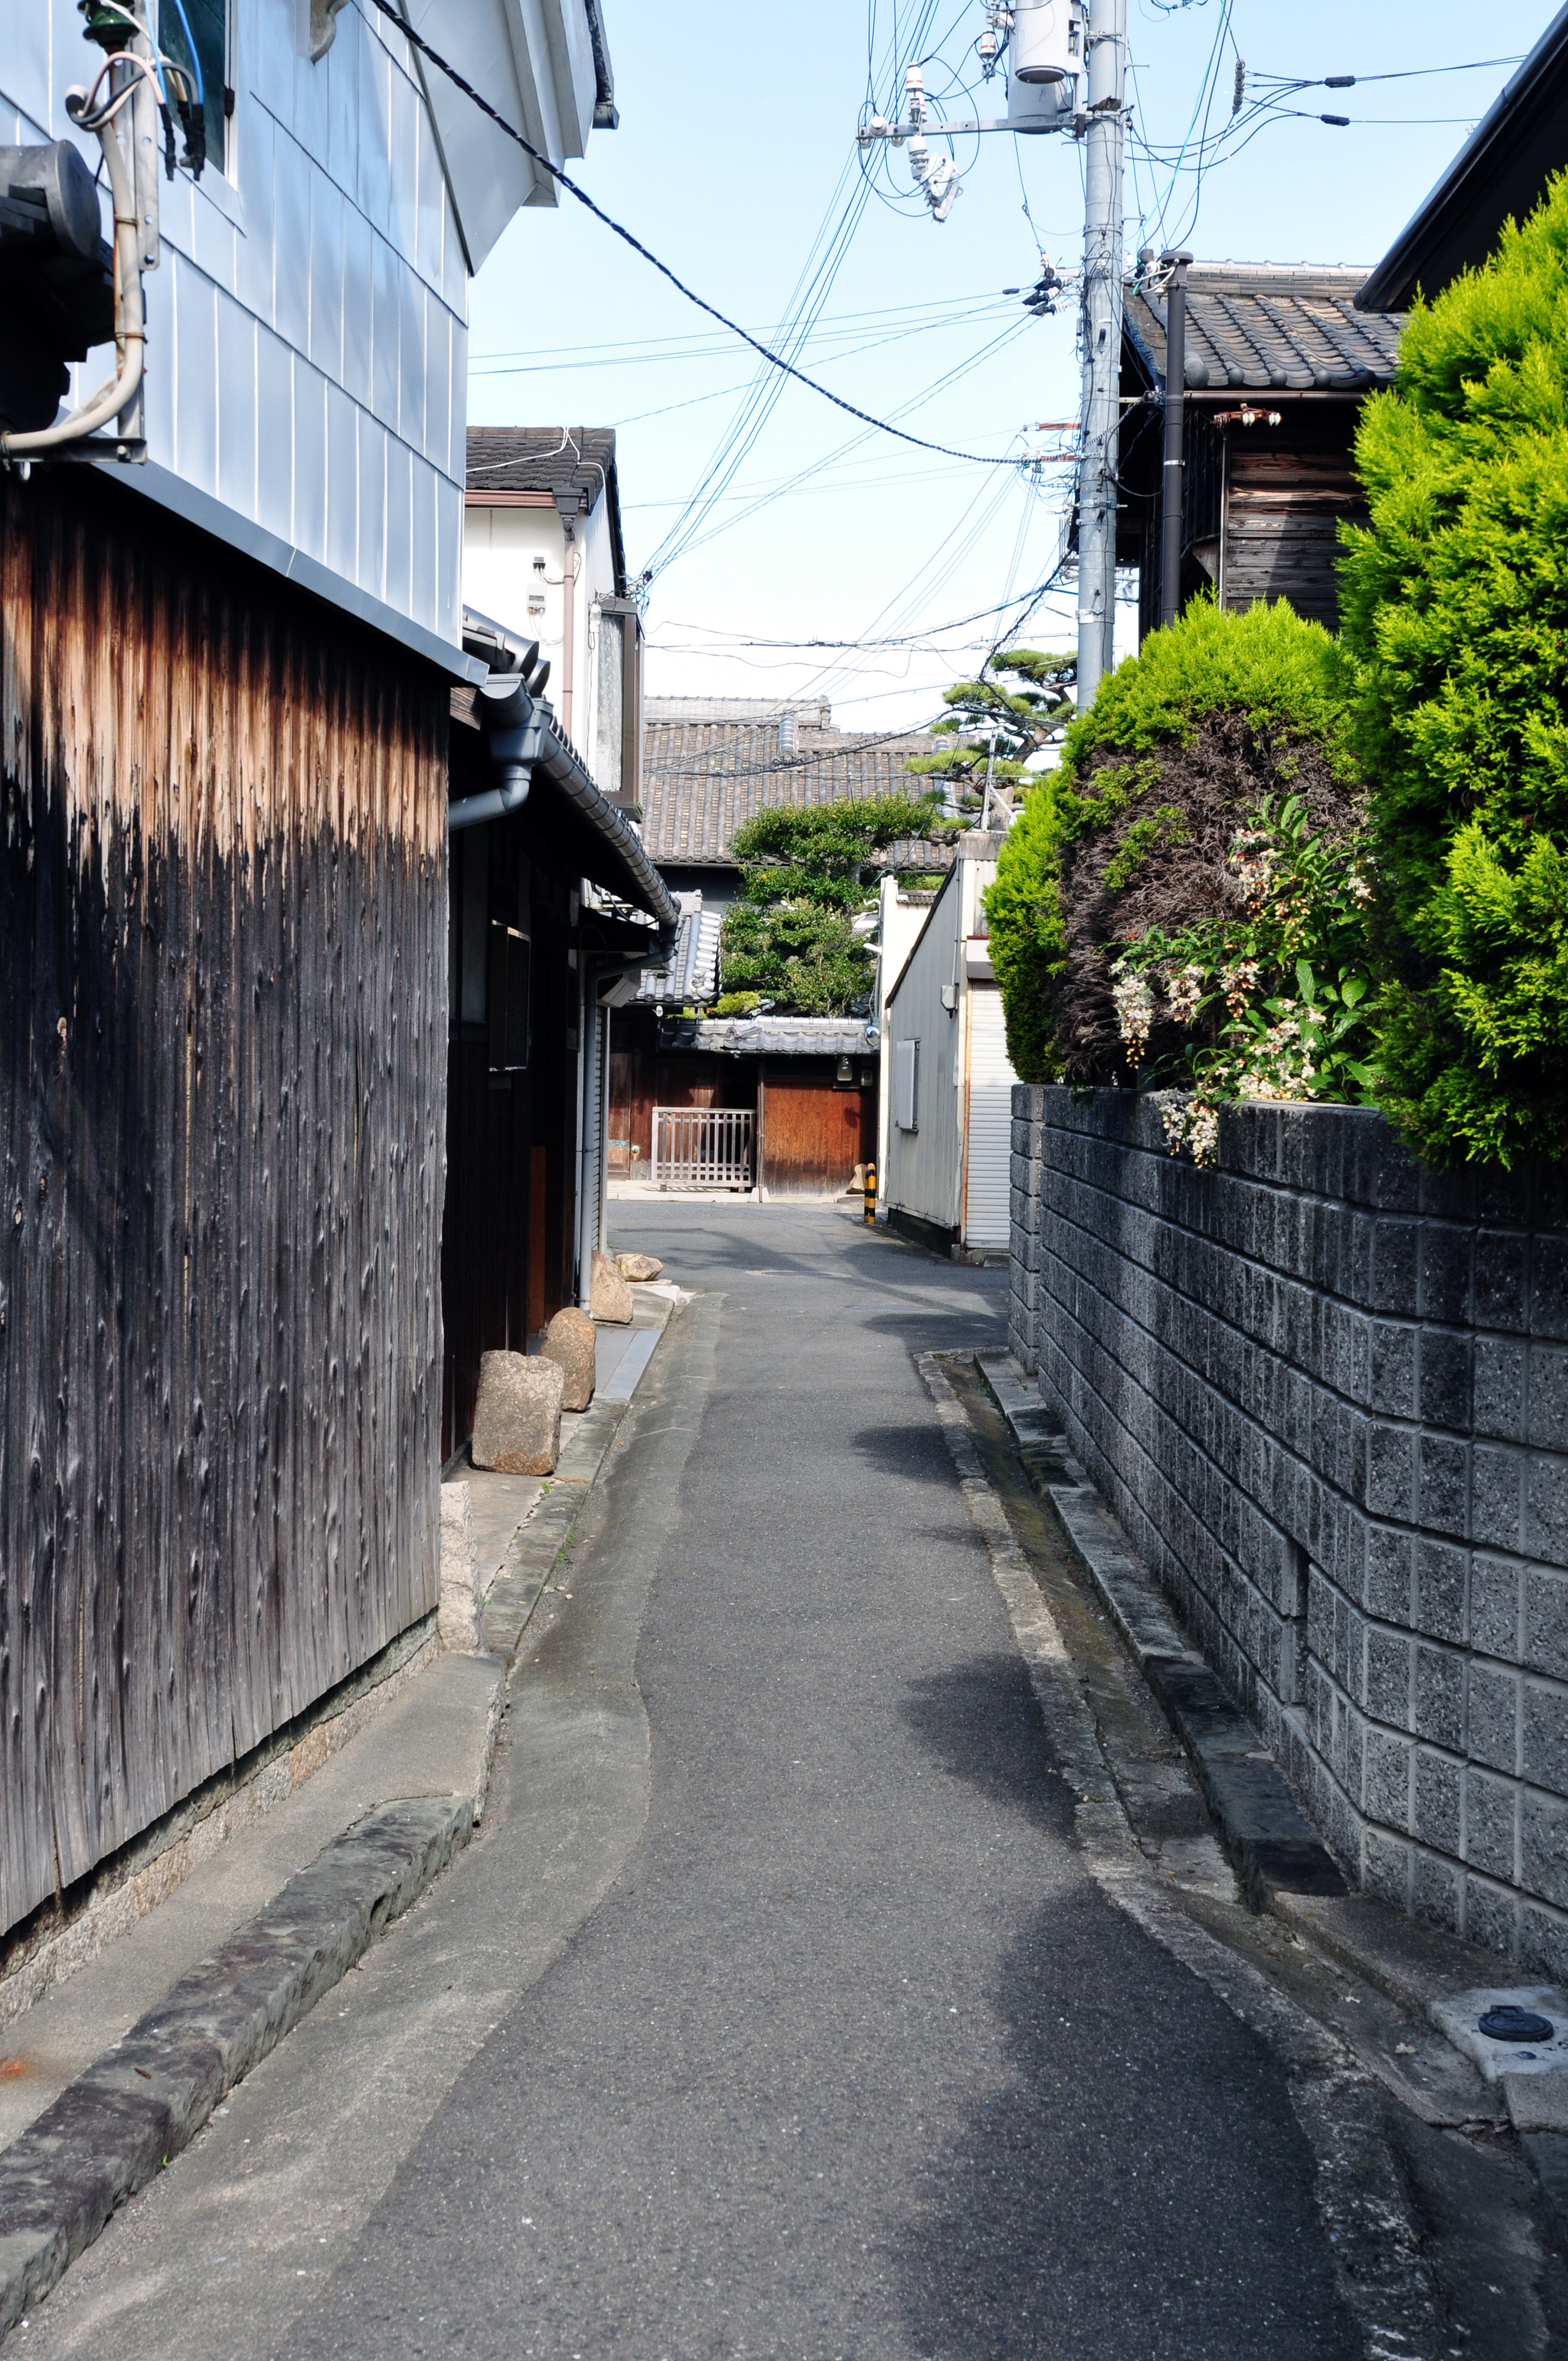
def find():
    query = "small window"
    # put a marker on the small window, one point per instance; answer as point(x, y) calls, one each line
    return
point(906, 1066)
point(509, 998)
point(195, 33)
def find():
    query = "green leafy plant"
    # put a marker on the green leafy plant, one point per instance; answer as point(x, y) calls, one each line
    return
point(1131, 840)
point(993, 731)
point(807, 872)
point(1456, 602)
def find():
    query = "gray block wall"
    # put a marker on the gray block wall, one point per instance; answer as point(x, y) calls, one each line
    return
point(1325, 1392)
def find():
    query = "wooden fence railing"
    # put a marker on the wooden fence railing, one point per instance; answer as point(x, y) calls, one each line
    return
point(702, 1148)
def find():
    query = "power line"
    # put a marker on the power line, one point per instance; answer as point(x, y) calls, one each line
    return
point(417, 41)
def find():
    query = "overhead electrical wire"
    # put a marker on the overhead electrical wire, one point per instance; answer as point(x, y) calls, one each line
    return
point(417, 41)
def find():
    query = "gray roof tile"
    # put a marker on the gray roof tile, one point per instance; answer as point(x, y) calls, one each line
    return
point(1256, 329)
point(701, 779)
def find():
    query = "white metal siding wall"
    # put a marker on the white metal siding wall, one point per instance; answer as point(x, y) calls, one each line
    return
point(923, 1166)
point(988, 1161)
point(307, 338)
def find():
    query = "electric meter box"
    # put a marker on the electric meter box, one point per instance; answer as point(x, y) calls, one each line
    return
point(1047, 40)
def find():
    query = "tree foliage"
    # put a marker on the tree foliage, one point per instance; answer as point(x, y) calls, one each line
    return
point(1136, 832)
point(1457, 602)
point(806, 870)
point(993, 731)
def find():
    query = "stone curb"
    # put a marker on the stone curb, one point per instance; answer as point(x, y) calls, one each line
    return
point(139, 2104)
point(1271, 1843)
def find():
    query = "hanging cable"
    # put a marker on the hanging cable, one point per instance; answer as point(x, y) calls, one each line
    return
point(972, 458)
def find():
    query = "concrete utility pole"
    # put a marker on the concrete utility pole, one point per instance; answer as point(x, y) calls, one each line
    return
point(1104, 143)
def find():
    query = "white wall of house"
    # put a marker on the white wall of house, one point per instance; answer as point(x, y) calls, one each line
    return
point(900, 917)
point(307, 337)
point(515, 570)
point(951, 1167)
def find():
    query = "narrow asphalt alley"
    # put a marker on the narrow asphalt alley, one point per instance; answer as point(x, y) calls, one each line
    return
point(854, 2060)
point(851, 2057)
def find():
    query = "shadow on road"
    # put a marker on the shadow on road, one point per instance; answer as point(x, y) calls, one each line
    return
point(1133, 2183)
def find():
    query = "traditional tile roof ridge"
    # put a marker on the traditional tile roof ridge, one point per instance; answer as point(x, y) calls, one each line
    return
point(773, 1037)
point(702, 779)
point(1268, 328)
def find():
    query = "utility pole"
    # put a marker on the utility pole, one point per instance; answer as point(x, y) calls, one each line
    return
point(1105, 141)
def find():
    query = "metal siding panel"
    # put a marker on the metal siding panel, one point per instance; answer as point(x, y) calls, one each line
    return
point(341, 66)
point(196, 367)
point(399, 525)
point(310, 459)
point(924, 1166)
point(237, 406)
point(424, 591)
point(449, 556)
point(437, 382)
point(374, 108)
point(403, 212)
point(212, 240)
point(385, 315)
point(411, 355)
point(458, 380)
point(326, 274)
point(342, 551)
point(358, 246)
point(291, 284)
point(275, 404)
point(431, 202)
point(254, 251)
point(371, 560)
point(270, 66)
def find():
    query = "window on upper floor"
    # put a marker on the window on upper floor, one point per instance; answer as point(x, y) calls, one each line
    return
point(195, 33)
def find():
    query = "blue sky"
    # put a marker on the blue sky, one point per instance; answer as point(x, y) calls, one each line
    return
point(736, 154)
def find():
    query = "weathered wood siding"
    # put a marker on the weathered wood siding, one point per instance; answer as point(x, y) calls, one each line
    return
point(223, 940)
point(1283, 508)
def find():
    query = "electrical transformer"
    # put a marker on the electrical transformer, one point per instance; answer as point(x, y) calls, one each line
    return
point(1047, 40)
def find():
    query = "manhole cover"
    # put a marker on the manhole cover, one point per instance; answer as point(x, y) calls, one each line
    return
point(1507, 2023)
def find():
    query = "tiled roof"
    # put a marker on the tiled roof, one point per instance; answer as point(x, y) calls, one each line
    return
point(701, 779)
point(1256, 329)
point(542, 459)
point(772, 1037)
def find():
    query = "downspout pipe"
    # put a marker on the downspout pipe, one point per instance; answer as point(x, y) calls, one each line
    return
point(514, 734)
point(1173, 500)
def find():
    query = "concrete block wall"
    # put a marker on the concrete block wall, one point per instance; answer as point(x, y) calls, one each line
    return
point(1325, 1392)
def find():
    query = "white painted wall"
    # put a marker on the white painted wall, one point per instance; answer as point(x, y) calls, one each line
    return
point(307, 323)
point(501, 546)
point(954, 1169)
point(899, 922)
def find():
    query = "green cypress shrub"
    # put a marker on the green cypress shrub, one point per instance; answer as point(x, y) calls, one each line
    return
point(1456, 602)
point(1133, 834)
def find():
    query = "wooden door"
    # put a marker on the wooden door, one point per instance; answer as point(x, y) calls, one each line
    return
point(814, 1134)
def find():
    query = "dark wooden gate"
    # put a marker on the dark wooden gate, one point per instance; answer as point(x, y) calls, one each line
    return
point(223, 1057)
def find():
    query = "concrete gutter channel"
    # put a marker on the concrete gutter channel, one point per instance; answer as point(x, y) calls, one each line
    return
point(1282, 1865)
point(118, 2121)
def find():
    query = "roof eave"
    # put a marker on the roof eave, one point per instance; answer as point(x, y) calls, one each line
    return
point(1501, 162)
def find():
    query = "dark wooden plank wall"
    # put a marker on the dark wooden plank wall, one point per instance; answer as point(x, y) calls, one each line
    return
point(223, 1019)
point(1283, 510)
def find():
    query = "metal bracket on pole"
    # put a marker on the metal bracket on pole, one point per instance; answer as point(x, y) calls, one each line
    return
point(1105, 140)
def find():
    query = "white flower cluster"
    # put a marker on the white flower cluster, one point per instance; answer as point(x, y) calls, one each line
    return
point(1183, 990)
point(1194, 1124)
point(1253, 857)
point(1280, 1066)
point(1133, 1004)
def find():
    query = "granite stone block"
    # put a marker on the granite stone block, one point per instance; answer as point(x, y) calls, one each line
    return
point(1439, 1697)
point(1445, 1374)
point(1496, 1498)
point(1548, 1289)
point(1496, 1586)
point(1546, 1622)
point(1491, 1814)
point(1446, 1252)
point(1391, 1361)
point(1501, 1396)
point(1501, 1297)
point(1546, 1511)
point(1543, 1740)
point(1492, 1716)
point(1389, 1678)
point(1386, 1792)
point(1442, 1583)
point(1391, 1473)
point(1442, 1485)
point(1439, 1792)
point(1544, 1846)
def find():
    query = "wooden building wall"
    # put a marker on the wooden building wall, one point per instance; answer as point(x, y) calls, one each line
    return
point(812, 1129)
point(1263, 504)
point(223, 1017)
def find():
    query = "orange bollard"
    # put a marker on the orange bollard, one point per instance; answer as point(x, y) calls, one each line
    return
point(871, 1193)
